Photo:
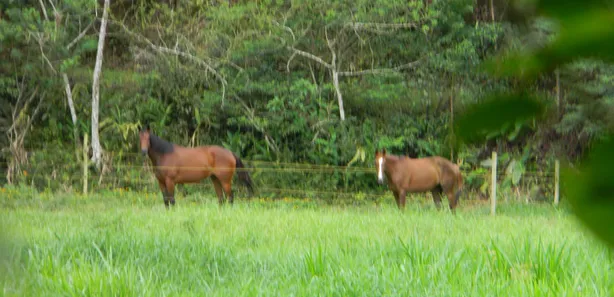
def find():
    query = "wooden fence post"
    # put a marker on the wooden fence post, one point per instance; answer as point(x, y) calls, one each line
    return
point(557, 171)
point(493, 185)
point(85, 163)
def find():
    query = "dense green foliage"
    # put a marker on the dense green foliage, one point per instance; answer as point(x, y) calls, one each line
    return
point(126, 244)
point(584, 34)
point(237, 74)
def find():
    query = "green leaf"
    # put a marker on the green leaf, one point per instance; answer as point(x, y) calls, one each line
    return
point(495, 113)
point(360, 155)
point(512, 136)
point(16, 54)
point(590, 190)
point(89, 44)
point(515, 171)
point(589, 35)
point(486, 163)
point(564, 8)
point(197, 116)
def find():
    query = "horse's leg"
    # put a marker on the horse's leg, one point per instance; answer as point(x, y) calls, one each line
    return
point(402, 198)
point(163, 190)
point(450, 188)
point(396, 198)
point(436, 192)
point(228, 190)
point(452, 199)
point(218, 189)
point(170, 192)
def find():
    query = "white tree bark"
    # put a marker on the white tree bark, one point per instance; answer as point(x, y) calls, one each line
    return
point(339, 96)
point(336, 73)
point(333, 67)
point(71, 106)
point(96, 148)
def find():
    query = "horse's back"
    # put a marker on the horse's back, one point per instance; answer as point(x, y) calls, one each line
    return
point(417, 175)
point(445, 162)
point(201, 156)
point(191, 164)
point(219, 153)
point(449, 172)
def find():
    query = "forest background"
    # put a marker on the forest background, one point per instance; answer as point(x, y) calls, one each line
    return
point(286, 82)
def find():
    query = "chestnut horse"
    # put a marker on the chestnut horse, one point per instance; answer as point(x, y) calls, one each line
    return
point(406, 175)
point(175, 164)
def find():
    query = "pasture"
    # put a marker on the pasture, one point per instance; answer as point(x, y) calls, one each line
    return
point(128, 244)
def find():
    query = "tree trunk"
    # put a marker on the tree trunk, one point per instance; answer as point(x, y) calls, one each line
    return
point(492, 11)
point(71, 106)
point(96, 148)
point(338, 91)
point(558, 94)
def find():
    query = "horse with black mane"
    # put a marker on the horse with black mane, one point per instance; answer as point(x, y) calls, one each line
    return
point(174, 164)
point(406, 175)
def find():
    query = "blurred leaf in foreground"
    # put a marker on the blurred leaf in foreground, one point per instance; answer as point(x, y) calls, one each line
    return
point(585, 32)
point(590, 189)
point(562, 9)
point(495, 113)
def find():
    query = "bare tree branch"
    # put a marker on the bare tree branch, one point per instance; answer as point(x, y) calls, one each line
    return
point(251, 115)
point(380, 70)
point(161, 49)
point(356, 31)
point(44, 9)
point(21, 137)
point(310, 56)
point(21, 89)
point(313, 76)
point(41, 43)
point(290, 60)
point(331, 45)
point(18, 130)
point(17, 111)
point(71, 106)
point(287, 29)
point(339, 95)
point(333, 66)
point(381, 26)
point(335, 74)
point(53, 6)
point(81, 35)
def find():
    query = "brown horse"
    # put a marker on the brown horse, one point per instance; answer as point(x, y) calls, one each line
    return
point(405, 175)
point(175, 164)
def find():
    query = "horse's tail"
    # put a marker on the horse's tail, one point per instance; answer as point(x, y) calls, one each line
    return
point(244, 175)
point(459, 186)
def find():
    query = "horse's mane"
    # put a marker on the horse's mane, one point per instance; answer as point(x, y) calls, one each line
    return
point(160, 145)
point(397, 157)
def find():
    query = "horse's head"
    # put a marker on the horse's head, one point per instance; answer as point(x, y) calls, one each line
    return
point(380, 161)
point(144, 139)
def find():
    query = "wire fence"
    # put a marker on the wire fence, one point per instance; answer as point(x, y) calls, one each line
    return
point(272, 179)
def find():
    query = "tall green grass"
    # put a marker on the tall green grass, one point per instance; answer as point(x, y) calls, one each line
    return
point(122, 246)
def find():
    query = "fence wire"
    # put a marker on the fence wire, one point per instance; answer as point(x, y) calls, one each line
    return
point(272, 179)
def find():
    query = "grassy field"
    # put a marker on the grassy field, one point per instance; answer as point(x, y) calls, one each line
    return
point(127, 245)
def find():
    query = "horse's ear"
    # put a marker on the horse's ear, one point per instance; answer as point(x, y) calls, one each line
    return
point(376, 151)
point(384, 151)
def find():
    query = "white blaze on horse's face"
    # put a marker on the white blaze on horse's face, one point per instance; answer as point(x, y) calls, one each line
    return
point(380, 170)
